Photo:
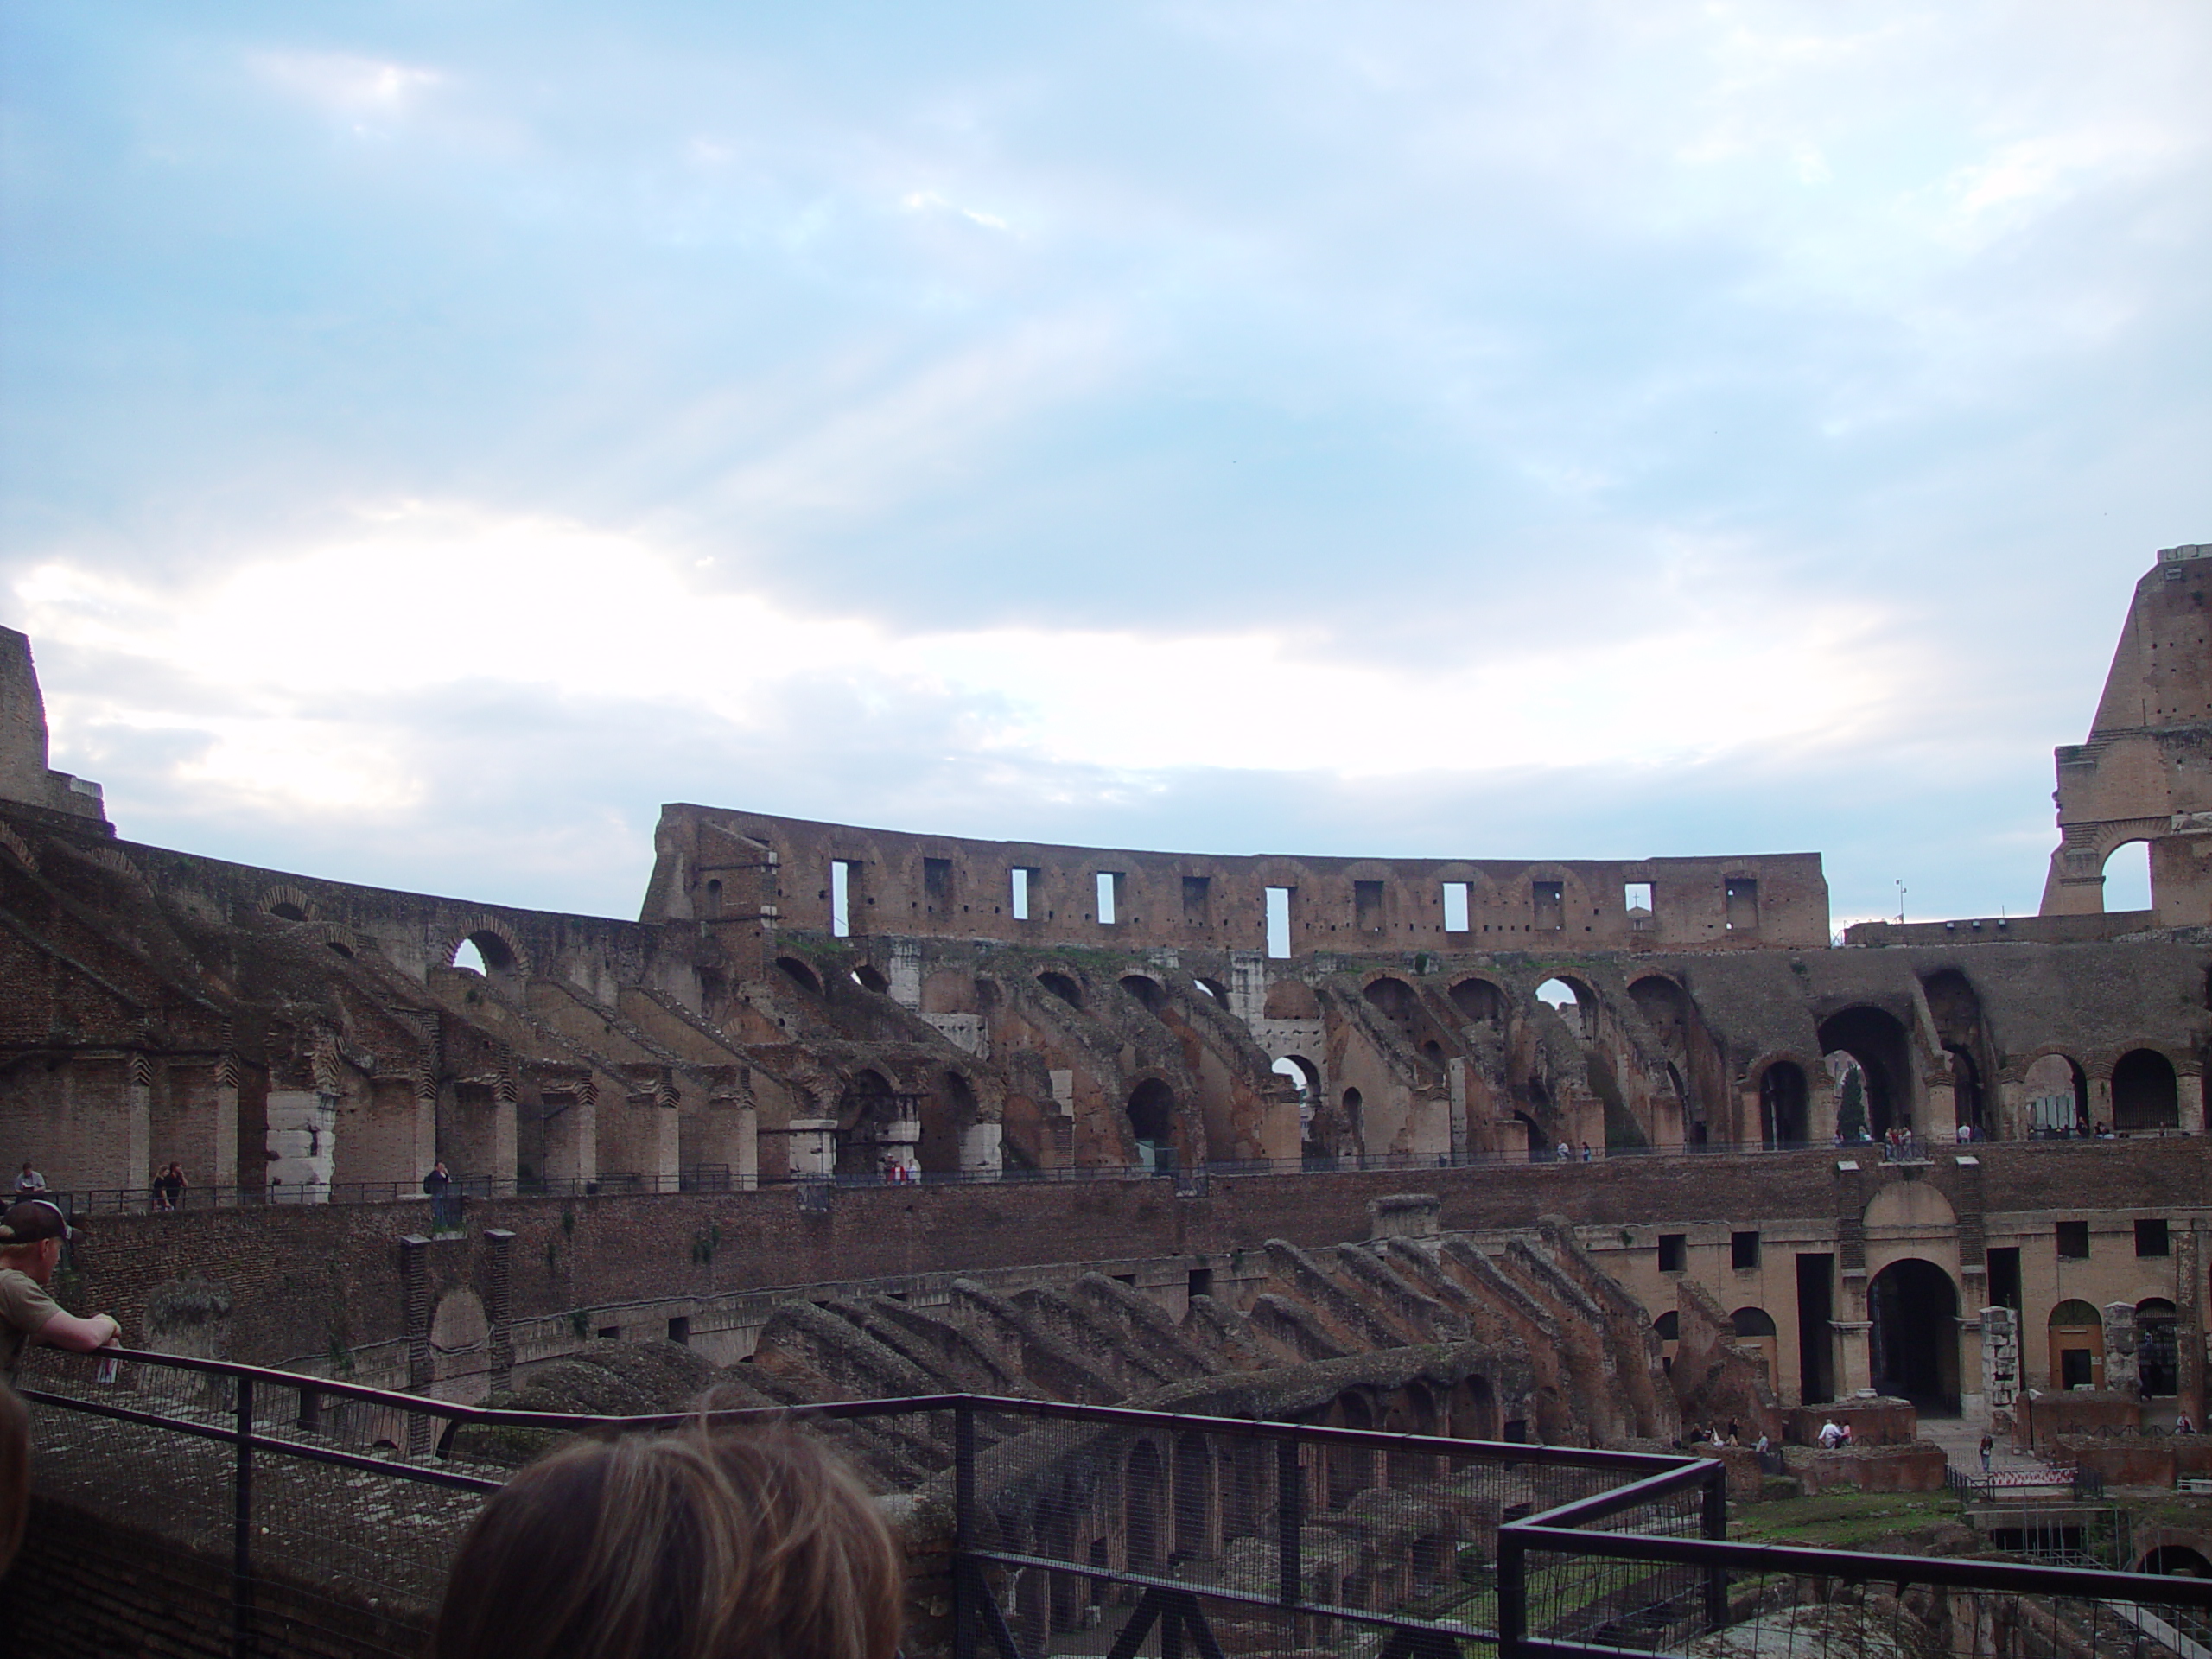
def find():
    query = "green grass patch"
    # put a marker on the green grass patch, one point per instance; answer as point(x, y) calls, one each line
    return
point(1841, 1520)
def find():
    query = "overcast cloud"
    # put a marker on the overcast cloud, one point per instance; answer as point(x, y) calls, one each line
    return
point(433, 435)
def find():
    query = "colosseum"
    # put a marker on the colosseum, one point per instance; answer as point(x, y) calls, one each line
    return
point(1576, 1152)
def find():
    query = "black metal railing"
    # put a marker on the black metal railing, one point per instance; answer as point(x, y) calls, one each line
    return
point(336, 1510)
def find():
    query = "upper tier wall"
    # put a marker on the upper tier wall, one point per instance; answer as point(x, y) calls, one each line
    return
point(714, 863)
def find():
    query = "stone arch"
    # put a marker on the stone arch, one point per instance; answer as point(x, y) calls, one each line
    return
point(1212, 987)
point(949, 1112)
point(2128, 874)
point(343, 941)
point(1290, 998)
point(1393, 999)
point(1063, 986)
point(1472, 1407)
point(1569, 996)
point(1151, 1113)
point(286, 902)
point(1915, 1205)
point(1878, 1040)
point(1785, 1105)
point(2183, 1560)
point(2157, 1353)
point(2076, 1331)
point(1482, 1000)
point(2146, 1092)
point(1146, 990)
point(867, 1113)
point(495, 946)
point(800, 974)
point(869, 977)
point(1912, 1306)
point(2055, 1088)
point(1756, 1333)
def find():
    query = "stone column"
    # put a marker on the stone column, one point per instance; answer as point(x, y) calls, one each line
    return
point(666, 1147)
point(2122, 1339)
point(813, 1146)
point(980, 1150)
point(1937, 1122)
point(1854, 1365)
point(498, 1309)
point(2100, 1101)
point(744, 1145)
point(2190, 1087)
point(303, 1136)
point(1821, 1108)
point(899, 1142)
point(223, 1165)
point(2000, 1358)
point(414, 1297)
point(1973, 1347)
point(137, 1147)
point(1456, 1069)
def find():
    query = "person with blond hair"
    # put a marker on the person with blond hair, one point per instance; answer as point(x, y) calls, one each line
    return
point(694, 1545)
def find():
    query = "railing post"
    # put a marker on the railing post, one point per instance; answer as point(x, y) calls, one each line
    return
point(1290, 1521)
point(1512, 1595)
point(965, 1584)
point(1713, 1523)
point(242, 1525)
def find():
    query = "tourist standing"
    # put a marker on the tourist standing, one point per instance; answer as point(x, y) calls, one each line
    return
point(31, 1237)
point(168, 1186)
point(1988, 1443)
point(435, 1184)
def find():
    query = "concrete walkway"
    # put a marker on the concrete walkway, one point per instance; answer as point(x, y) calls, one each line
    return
point(1959, 1437)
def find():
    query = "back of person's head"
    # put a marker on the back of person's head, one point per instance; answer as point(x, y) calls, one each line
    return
point(686, 1546)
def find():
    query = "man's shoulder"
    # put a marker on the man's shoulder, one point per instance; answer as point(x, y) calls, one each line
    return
point(20, 1293)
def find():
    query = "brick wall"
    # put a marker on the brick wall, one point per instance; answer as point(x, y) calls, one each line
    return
point(304, 1280)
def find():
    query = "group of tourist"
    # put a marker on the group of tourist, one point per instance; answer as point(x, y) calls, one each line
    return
point(168, 1187)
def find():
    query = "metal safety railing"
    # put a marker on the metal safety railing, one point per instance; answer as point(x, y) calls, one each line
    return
point(332, 1512)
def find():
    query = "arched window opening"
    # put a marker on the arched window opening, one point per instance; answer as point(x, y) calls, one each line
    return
point(946, 1118)
point(2077, 1346)
point(800, 975)
point(2179, 1560)
point(2157, 1352)
point(1966, 1091)
point(1152, 1120)
point(1667, 1327)
point(1876, 1041)
point(1393, 999)
point(1569, 1000)
point(1212, 987)
point(1755, 1336)
point(870, 979)
point(2144, 1094)
point(713, 905)
point(1480, 1001)
point(484, 952)
point(289, 912)
point(1782, 1095)
point(1064, 988)
point(1146, 990)
point(2057, 1093)
point(1913, 1338)
point(343, 950)
point(2127, 877)
point(877, 1125)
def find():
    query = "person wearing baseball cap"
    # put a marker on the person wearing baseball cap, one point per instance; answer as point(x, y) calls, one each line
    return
point(31, 1236)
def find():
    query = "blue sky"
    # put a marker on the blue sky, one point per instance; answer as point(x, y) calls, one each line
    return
point(432, 436)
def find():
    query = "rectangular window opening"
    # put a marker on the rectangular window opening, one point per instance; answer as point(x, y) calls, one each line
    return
point(2150, 1239)
point(937, 880)
point(1637, 895)
point(2073, 1240)
point(841, 898)
point(1198, 895)
point(2004, 1276)
point(1549, 898)
point(1279, 921)
point(679, 1329)
point(1201, 1281)
point(1110, 897)
point(1742, 895)
point(1673, 1252)
point(1022, 878)
point(1455, 907)
point(1367, 906)
point(1742, 1251)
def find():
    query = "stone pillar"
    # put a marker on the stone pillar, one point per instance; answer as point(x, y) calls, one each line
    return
point(2189, 1324)
point(980, 1150)
point(744, 1146)
point(1853, 1364)
point(303, 1145)
point(813, 1148)
point(502, 1171)
point(2100, 1101)
point(1973, 1402)
point(223, 1164)
point(1821, 1108)
point(2190, 1087)
point(2000, 1358)
point(137, 1148)
point(414, 1297)
point(499, 1305)
point(426, 1135)
point(1456, 1071)
point(665, 1153)
point(2122, 1339)
point(904, 973)
point(1937, 1123)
